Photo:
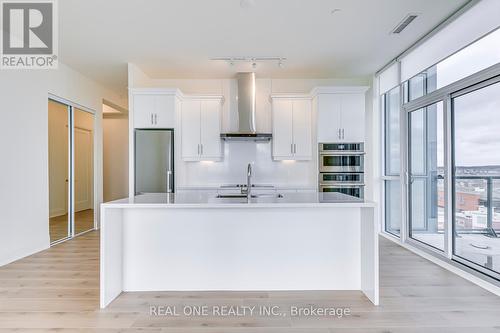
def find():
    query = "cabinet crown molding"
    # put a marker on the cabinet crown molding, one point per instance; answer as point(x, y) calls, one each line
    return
point(339, 90)
point(156, 91)
point(291, 95)
point(323, 90)
point(204, 97)
point(175, 92)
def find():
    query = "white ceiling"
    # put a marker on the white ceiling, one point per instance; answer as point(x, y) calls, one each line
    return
point(176, 38)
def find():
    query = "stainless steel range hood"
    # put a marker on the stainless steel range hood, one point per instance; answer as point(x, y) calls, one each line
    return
point(246, 112)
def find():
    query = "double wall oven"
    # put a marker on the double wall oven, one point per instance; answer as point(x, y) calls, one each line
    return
point(341, 168)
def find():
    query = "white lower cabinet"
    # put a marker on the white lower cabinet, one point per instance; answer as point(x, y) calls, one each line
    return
point(200, 130)
point(292, 122)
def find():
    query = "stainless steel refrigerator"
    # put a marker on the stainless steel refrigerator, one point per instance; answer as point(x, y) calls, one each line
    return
point(154, 161)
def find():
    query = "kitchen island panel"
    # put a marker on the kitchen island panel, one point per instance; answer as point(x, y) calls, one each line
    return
point(265, 249)
point(272, 246)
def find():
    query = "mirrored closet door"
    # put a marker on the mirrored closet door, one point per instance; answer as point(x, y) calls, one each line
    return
point(71, 170)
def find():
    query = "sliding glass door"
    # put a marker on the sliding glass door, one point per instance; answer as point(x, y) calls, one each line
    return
point(71, 170)
point(450, 153)
point(83, 133)
point(426, 175)
point(59, 172)
point(476, 178)
point(392, 162)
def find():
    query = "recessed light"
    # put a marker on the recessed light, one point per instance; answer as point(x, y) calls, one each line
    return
point(247, 3)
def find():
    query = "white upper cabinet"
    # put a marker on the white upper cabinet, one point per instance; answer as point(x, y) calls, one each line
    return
point(292, 139)
point(353, 117)
point(302, 136)
point(210, 129)
point(190, 129)
point(341, 116)
point(200, 129)
point(329, 123)
point(153, 110)
point(282, 119)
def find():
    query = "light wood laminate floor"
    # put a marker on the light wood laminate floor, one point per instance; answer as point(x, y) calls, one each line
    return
point(58, 225)
point(59, 289)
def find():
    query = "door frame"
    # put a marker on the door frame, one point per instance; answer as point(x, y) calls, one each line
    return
point(71, 166)
point(409, 177)
point(445, 94)
point(478, 86)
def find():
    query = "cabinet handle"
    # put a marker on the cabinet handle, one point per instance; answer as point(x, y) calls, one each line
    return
point(343, 136)
point(152, 123)
point(198, 149)
point(201, 149)
point(156, 119)
point(338, 134)
point(294, 148)
point(291, 148)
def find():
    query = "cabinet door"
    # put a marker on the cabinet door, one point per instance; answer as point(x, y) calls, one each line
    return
point(210, 130)
point(282, 129)
point(144, 107)
point(164, 112)
point(190, 130)
point(353, 117)
point(302, 139)
point(329, 117)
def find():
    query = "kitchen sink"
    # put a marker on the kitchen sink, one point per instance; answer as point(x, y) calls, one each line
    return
point(242, 198)
point(253, 196)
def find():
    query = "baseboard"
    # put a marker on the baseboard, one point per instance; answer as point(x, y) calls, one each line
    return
point(58, 212)
point(21, 253)
point(493, 288)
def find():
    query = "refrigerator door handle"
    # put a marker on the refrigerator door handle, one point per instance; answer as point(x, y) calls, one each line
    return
point(169, 181)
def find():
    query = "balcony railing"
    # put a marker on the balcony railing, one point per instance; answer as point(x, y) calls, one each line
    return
point(489, 204)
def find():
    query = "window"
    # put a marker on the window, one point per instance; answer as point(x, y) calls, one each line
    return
point(477, 56)
point(392, 132)
point(450, 151)
point(426, 169)
point(392, 185)
point(476, 121)
point(393, 206)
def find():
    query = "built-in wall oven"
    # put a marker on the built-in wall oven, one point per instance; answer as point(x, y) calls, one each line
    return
point(341, 157)
point(341, 168)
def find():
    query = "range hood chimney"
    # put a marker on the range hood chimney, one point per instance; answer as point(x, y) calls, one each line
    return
point(246, 112)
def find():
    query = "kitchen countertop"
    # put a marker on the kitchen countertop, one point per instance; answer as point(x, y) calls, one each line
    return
point(195, 199)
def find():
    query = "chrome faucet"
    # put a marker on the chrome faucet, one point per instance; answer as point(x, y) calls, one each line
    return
point(249, 182)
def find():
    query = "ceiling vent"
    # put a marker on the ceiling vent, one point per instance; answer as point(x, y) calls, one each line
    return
point(404, 23)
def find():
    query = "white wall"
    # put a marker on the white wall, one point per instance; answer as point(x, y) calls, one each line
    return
point(115, 151)
point(298, 174)
point(24, 199)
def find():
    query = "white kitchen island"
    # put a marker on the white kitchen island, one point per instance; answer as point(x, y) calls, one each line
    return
point(194, 241)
